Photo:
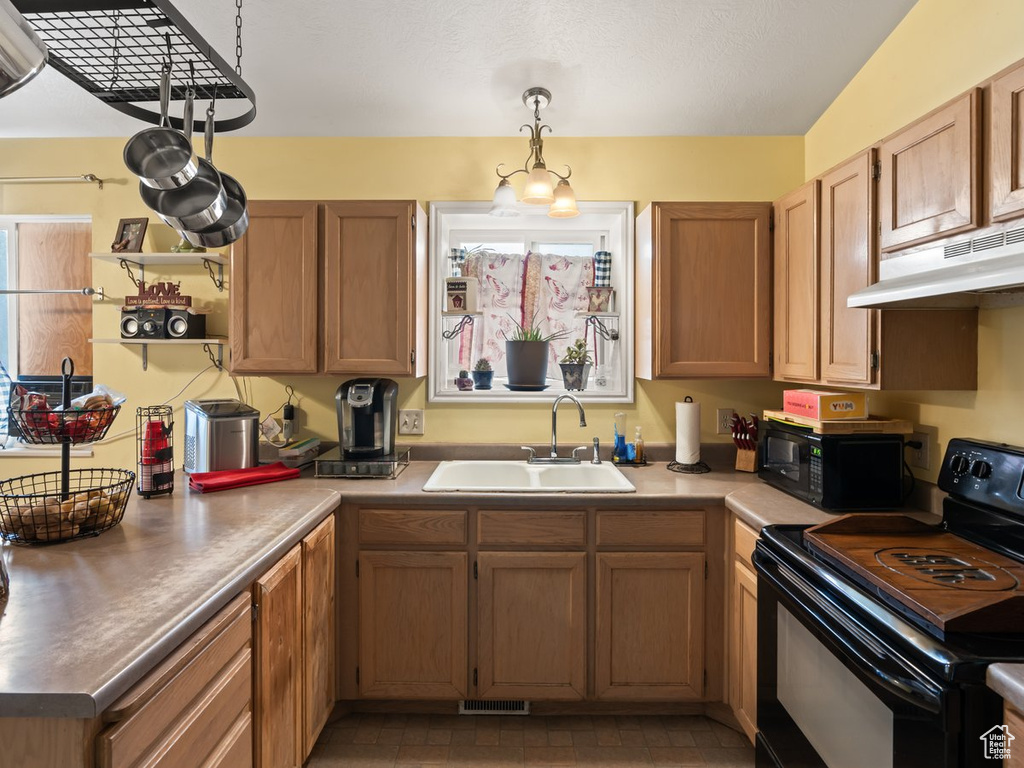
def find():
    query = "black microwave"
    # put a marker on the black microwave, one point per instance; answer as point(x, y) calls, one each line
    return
point(840, 473)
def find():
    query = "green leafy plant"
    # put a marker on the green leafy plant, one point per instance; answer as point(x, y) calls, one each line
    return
point(483, 364)
point(531, 332)
point(577, 354)
point(463, 374)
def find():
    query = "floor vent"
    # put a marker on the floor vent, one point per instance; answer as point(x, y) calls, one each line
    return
point(506, 707)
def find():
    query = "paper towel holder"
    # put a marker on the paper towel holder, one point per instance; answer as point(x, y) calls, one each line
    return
point(699, 468)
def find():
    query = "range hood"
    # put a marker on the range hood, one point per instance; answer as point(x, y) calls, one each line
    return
point(987, 270)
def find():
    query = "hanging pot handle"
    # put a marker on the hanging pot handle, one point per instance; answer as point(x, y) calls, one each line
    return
point(188, 113)
point(209, 133)
point(165, 92)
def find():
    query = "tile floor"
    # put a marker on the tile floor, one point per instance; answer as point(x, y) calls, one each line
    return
point(497, 741)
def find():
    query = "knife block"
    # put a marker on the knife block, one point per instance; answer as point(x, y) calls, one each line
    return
point(746, 460)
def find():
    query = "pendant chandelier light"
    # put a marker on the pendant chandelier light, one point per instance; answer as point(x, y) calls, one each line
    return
point(539, 189)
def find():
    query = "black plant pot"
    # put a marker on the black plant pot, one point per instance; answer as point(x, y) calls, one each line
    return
point(483, 379)
point(527, 363)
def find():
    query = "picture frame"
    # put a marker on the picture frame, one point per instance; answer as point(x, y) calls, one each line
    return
point(129, 236)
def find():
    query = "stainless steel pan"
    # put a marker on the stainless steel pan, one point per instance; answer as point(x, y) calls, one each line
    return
point(235, 220)
point(160, 156)
point(197, 205)
point(231, 226)
point(22, 53)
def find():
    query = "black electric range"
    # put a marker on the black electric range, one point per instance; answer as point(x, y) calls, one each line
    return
point(875, 632)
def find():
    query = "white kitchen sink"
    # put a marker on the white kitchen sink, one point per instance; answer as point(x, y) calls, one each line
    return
point(520, 477)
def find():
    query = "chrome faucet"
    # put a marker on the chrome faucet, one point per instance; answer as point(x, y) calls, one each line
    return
point(554, 457)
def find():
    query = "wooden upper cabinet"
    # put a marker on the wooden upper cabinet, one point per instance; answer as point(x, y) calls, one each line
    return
point(531, 610)
point(796, 284)
point(273, 290)
point(330, 287)
point(373, 271)
point(929, 176)
point(1006, 146)
point(703, 292)
point(848, 336)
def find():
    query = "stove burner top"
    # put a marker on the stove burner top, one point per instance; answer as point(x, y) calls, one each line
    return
point(947, 568)
point(953, 584)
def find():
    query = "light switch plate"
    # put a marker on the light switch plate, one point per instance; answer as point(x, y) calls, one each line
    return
point(410, 422)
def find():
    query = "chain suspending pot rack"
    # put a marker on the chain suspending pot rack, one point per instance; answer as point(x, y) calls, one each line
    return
point(114, 49)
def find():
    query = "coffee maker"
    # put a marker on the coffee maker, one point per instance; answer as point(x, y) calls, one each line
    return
point(367, 418)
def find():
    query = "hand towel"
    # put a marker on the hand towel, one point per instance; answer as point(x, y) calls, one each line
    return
point(225, 479)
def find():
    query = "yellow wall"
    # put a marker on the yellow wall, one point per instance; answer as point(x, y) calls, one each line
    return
point(428, 169)
point(940, 49)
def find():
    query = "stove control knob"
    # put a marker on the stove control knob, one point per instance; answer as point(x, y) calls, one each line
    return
point(959, 465)
point(981, 469)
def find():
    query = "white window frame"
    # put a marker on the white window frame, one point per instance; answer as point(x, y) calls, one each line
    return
point(614, 218)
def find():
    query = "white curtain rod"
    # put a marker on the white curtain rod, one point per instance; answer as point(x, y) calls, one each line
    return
point(87, 178)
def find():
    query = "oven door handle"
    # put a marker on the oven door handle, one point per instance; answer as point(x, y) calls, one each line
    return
point(857, 643)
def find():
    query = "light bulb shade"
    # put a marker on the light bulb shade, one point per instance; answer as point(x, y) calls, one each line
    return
point(538, 187)
point(504, 203)
point(564, 206)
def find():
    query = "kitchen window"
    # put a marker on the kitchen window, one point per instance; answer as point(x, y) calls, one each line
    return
point(529, 268)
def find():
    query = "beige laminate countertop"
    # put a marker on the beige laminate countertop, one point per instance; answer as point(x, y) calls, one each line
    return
point(87, 619)
point(1008, 681)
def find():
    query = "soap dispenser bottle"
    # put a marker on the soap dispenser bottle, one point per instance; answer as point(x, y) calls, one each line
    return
point(638, 447)
point(619, 450)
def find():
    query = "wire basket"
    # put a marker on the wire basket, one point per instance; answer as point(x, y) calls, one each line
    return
point(41, 426)
point(34, 511)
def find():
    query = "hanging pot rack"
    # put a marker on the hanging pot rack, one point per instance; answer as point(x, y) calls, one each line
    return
point(114, 50)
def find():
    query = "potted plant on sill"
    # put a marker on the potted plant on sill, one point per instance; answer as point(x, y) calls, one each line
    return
point(464, 383)
point(526, 355)
point(576, 365)
point(483, 374)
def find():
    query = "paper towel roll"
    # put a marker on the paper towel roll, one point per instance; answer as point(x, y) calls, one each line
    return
point(688, 432)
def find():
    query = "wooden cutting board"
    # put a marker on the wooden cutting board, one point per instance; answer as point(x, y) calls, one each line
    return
point(954, 584)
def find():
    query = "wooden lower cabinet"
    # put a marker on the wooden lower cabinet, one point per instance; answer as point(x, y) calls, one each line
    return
point(412, 625)
point(542, 604)
point(531, 625)
point(743, 649)
point(649, 642)
point(294, 650)
point(319, 623)
point(278, 666)
point(191, 709)
point(1015, 721)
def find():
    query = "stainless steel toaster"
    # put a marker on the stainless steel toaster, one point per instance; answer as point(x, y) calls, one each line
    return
point(220, 434)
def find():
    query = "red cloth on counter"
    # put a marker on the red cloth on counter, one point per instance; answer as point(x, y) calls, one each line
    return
point(225, 479)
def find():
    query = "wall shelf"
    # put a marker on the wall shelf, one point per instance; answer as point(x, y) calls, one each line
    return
point(141, 260)
point(208, 345)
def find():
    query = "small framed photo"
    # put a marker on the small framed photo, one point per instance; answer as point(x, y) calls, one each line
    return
point(129, 236)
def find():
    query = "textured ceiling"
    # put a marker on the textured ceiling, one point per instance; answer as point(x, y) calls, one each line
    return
point(459, 67)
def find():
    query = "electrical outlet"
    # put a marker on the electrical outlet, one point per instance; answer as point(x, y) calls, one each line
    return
point(919, 457)
point(410, 422)
point(724, 416)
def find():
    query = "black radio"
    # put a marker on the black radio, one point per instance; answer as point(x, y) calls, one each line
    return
point(161, 323)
